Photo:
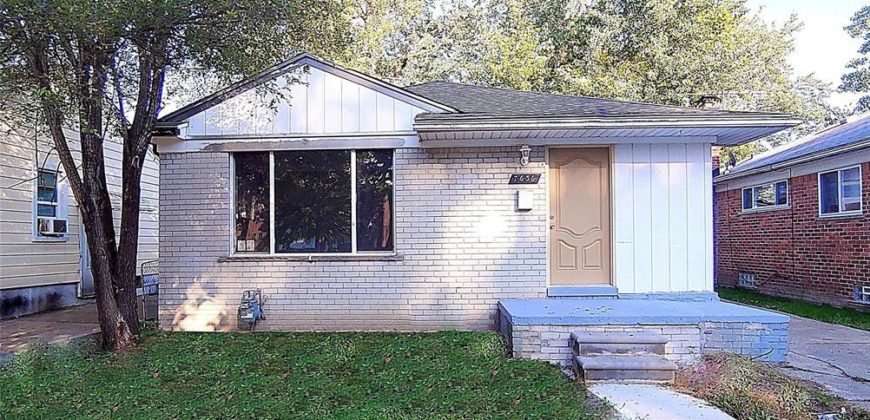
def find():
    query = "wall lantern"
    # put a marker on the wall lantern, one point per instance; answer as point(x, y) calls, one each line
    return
point(525, 150)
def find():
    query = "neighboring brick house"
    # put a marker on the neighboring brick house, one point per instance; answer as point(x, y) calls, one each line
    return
point(794, 222)
point(357, 205)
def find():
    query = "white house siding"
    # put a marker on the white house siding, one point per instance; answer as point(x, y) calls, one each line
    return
point(25, 262)
point(663, 221)
point(464, 247)
point(319, 103)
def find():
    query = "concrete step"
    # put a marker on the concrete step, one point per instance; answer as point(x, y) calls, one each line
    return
point(616, 343)
point(625, 368)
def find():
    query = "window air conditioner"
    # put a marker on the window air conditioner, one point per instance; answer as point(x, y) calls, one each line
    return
point(49, 226)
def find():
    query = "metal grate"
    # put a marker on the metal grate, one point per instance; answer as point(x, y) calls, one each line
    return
point(148, 290)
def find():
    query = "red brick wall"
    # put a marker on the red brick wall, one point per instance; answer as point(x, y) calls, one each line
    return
point(793, 252)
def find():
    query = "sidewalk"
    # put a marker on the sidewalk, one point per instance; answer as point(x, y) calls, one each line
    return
point(55, 327)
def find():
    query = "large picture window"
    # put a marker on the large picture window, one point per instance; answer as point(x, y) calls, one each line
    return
point(840, 192)
point(323, 201)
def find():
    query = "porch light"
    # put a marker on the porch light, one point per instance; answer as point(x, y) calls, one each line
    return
point(525, 150)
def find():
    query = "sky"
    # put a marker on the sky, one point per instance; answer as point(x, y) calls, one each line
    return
point(822, 47)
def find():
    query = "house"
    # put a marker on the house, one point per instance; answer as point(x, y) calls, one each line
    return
point(44, 260)
point(354, 204)
point(793, 222)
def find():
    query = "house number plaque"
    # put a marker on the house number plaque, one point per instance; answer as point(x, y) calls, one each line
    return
point(524, 179)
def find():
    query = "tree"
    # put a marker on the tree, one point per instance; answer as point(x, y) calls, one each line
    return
point(858, 78)
point(99, 66)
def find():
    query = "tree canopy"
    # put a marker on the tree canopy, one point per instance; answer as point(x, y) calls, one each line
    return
point(857, 79)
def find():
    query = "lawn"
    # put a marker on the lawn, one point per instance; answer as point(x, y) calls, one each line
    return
point(826, 313)
point(301, 375)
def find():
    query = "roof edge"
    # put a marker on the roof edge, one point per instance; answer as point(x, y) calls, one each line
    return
point(859, 145)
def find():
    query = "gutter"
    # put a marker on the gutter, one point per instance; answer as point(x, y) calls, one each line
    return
point(795, 161)
point(592, 123)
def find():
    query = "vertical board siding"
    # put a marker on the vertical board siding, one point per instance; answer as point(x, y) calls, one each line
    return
point(663, 218)
point(316, 103)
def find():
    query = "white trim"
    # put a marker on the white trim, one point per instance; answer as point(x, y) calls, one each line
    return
point(272, 238)
point(563, 141)
point(392, 140)
point(604, 123)
point(353, 203)
point(841, 212)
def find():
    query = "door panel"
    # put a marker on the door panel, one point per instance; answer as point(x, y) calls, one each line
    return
point(580, 216)
point(86, 286)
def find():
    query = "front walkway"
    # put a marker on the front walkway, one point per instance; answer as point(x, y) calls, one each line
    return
point(55, 327)
point(833, 356)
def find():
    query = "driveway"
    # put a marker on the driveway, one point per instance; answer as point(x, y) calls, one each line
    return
point(831, 355)
point(55, 327)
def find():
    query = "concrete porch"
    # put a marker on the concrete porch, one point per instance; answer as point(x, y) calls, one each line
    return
point(542, 328)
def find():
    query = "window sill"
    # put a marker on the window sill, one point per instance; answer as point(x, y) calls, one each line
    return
point(764, 209)
point(843, 215)
point(50, 239)
point(312, 258)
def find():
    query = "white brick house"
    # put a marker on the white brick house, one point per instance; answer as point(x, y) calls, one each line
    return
point(357, 205)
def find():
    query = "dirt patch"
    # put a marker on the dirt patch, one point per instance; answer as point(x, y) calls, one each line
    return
point(751, 390)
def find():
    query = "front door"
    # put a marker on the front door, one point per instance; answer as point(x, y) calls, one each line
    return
point(579, 216)
point(86, 286)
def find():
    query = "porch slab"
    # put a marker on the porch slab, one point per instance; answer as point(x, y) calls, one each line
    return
point(630, 312)
point(541, 328)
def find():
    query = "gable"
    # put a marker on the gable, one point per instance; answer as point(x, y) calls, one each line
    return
point(313, 102)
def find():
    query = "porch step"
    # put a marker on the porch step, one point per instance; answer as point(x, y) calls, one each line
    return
point(614, 343)
point(625, 368)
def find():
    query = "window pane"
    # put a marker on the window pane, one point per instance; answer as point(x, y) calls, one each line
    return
point(374, 200)
point(781, 193)
point(252, 202)
point(851, 189)
point(312, 201)
point(46, 210)
point(46, 178)
point(747, 198)
point(45, 194)
point(764, 195)
point(828, 194)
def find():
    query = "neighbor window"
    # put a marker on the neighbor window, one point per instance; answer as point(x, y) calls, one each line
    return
point(772, 195)
point(840, 191)
point(323, 201)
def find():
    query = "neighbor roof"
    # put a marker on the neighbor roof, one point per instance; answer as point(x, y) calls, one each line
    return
point(479, 101)
point(848, 136)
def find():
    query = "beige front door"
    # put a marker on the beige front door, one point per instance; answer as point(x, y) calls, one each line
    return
point(579, 216)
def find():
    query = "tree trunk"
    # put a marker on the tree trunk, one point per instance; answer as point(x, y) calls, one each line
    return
point(128, 246)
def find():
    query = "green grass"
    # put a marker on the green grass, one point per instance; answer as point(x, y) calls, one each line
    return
point(289, 375)
point(826, 313)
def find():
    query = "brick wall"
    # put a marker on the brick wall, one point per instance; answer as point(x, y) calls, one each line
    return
point(463, 247)
point(794, 252)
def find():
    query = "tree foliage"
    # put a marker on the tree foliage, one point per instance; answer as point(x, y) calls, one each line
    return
point(99, 67)
point(857, 79)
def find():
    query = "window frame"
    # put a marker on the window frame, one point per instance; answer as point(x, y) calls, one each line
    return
point(841, 212)
point(773, 207)
point(353, 213)
point(59, 212)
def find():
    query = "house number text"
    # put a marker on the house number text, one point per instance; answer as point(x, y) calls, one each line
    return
point(524, 179)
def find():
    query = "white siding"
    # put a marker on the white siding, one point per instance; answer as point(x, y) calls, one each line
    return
point(25, 262)
point(663, 219)
point(320, 103)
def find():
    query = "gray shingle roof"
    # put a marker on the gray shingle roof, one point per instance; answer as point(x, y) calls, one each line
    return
point(835, 137)
point(498, 102)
